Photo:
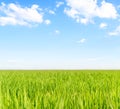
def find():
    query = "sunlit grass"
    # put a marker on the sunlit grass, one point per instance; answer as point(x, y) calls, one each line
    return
point(60, 89)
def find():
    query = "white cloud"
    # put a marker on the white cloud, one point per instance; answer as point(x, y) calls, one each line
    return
point(107, 10)
point(58, 4)
point(116, 32)
point(13, 14)
point(84, 11)
point(51, 12)
point(47, 22)
point(57, 32)
point(83, 40)
point(103, 25)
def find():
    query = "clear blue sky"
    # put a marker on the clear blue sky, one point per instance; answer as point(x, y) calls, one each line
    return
point(65, 34)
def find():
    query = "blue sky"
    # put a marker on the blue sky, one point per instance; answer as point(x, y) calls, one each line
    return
point(65, 34)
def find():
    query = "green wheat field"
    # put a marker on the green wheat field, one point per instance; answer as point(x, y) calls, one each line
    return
point(60, 89)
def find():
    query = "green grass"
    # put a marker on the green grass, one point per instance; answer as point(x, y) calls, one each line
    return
point(60, 89)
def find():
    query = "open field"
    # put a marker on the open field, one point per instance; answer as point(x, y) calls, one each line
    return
point(88, 89)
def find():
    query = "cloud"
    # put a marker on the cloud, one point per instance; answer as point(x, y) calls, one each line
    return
point(83, 40)
point(14, 14)
point(116, 32)
point(47, 22)
point(58, 4)
point(51, 12)
point(57, 32)
point(103, 25)
point(84, 11)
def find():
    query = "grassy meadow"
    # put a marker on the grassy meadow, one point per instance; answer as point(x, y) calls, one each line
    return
point(87, 89)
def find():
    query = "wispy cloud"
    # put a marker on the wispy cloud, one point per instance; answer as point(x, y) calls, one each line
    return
point(58, 4)
point(115, 32)
point(103, 25)
point(57, 32)
point(83, 40)
point(84, 11)
point(14, 14)
point(51, 12)
point(47, 22)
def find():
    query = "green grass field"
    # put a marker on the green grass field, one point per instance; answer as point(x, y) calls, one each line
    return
point(60, 89)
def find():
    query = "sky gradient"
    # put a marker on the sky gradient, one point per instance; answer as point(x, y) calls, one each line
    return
point(65, 34)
